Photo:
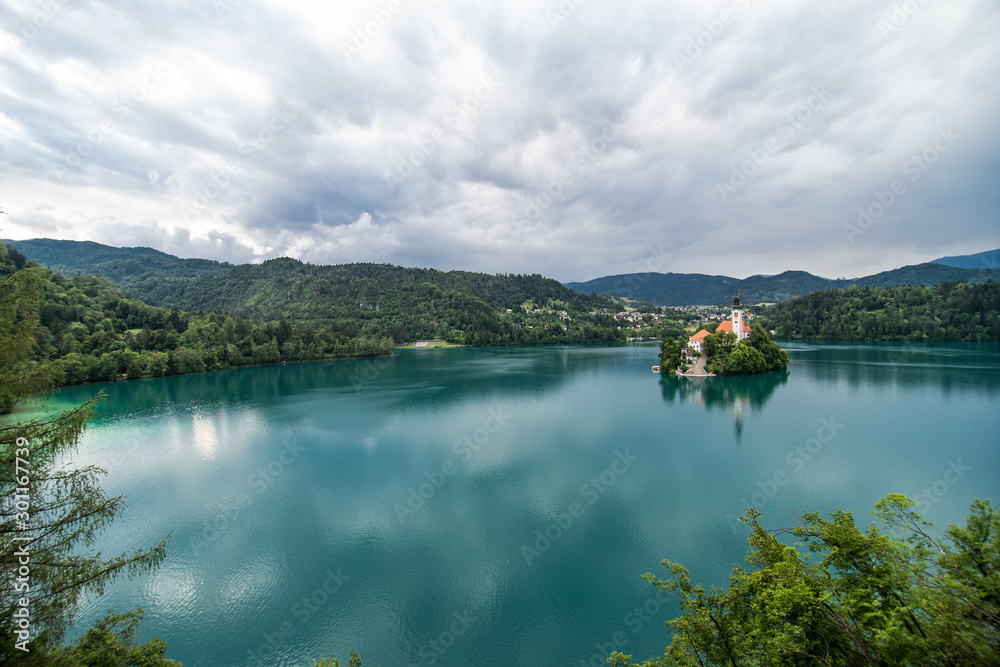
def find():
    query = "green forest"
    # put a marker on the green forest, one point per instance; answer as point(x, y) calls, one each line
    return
point(97, 333)
point(372, 300)
point(951, 311)
point(688, 289)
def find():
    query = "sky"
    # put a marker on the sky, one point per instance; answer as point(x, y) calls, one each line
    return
point(572, 138)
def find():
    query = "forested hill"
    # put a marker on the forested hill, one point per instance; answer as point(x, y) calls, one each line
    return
point(123, 266)
point(663, 289)
point(687, 289)
point(374, 299)
point(284, 286)
point(70, 258)
point(947, 312)
point(289, 288)
point(94, 332)
point(988, 259)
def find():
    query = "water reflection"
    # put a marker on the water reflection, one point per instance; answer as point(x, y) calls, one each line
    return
point(406, 380)
point(738, 393)
point(956, 367)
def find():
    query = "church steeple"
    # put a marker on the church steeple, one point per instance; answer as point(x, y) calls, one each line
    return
point(739, 325)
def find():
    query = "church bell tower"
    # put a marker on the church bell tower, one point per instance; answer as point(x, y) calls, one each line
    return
point(739, 325)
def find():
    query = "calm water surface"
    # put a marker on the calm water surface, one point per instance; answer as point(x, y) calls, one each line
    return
point(498, 506)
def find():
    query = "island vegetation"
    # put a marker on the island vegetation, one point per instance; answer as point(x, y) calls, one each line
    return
point(828, 592)
point(725, 355)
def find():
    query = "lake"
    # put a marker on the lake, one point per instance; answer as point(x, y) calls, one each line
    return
point(497, 506)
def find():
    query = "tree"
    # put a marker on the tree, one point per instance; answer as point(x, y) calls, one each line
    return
point(670, 355)
point(745, 359)
point(333, 662)
point(774, 357)
point(49, 513)
point(891, 594)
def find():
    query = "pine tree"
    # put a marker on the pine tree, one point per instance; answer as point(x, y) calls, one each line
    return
point(50, 512)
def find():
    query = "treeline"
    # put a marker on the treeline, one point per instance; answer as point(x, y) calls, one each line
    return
point(97, 333)
point(379, 300)
point(951, 311)
point(288, 288)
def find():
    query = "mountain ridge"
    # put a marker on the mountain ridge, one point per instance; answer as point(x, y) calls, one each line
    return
point(192, 283)
point(988, 259)
point(670, 289)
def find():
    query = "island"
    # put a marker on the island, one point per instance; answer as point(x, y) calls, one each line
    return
point(735, 347)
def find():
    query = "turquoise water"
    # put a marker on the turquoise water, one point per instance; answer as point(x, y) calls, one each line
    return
point(498, 506)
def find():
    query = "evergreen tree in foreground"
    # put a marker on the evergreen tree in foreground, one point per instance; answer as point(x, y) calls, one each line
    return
point(50, 513)
point(889, 595)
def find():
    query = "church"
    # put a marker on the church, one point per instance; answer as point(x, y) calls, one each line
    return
point(735, 324)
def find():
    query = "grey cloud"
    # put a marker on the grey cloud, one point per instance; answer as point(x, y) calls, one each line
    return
point(232, 185)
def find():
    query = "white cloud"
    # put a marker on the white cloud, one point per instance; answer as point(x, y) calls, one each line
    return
point(477, 111)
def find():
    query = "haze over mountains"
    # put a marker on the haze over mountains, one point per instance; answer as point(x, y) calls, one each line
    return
point(989, 259)
point(164, 279)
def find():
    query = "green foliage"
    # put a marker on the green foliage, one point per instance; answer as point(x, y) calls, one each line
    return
point(670, 355)
point(86, 330)
point(951, 311)
point(333, 662)
point(745, 359)
point(758, 354)
point(111, 643)
point(892, 593)
point(74, 256)
point(19, 294)
point(66, 507)
point(774, 357)
point(374, 301)
point(688, 289)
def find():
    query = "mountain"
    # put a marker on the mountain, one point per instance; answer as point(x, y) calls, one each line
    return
point(128, 268)
point(72, 257)
point(373, 299)
point(664, 289)
point(382, 297)
point(689, 289)
point(926, 274)
point(771, 289)
point(989, 259)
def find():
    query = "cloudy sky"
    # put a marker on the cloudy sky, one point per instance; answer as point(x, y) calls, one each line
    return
point(575, 139)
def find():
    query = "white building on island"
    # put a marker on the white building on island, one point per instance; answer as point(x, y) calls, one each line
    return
point(736, 324)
